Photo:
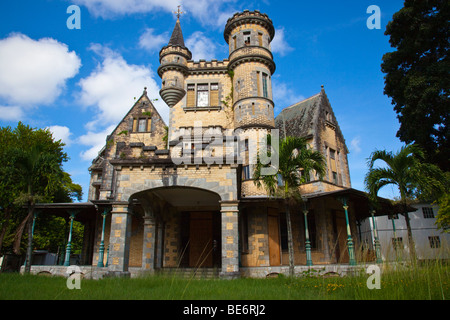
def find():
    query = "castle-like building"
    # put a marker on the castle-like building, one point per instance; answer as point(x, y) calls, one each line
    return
point(182, 195)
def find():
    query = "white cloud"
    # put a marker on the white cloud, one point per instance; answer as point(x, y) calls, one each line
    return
point(213, 13)
point(95, 141)
point(61, 133)
point(112, 8)
point(153, 42)
point(355, 145)
point(34, 72)
point(283, 95)
point(201, 46)
point(112, 87)
point(279, 44)
point(11, 113)
point(110, 90)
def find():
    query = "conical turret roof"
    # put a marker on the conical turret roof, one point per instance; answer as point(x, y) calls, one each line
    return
point(177, 36)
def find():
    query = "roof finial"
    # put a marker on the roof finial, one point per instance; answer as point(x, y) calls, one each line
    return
point(178, 13)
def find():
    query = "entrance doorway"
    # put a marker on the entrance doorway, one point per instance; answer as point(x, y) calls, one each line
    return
point(201, 240)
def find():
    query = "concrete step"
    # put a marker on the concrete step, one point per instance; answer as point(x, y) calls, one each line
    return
point(195, 273)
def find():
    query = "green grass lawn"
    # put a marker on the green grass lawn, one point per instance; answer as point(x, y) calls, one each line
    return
point(420, 282)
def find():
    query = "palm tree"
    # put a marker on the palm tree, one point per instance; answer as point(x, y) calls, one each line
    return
point(294, 157)
point(406, 170)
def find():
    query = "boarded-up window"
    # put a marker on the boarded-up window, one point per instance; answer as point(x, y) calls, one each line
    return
point(258, 82)
point(333, 160)
point(190, 96)
point(214, 94)
point(149, 124)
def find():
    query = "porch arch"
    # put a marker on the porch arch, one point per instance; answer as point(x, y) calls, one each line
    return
point(182, 227)
point(226, 192)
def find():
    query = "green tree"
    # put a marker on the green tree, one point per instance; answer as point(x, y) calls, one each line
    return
point(9, 189)
point(295, 158)
point(443, 217)
point(417, 76)
point(407, 170)
point(34, 174)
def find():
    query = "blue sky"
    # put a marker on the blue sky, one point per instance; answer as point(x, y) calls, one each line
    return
point(80, 83)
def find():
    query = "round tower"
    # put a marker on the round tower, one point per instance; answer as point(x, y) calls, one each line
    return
point(173, 67)
point(251, 67)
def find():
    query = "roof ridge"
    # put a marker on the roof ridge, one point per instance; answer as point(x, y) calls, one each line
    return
point(296, 104)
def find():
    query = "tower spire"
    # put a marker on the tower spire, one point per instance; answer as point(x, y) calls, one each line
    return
point(177, 35)
point(174, 67)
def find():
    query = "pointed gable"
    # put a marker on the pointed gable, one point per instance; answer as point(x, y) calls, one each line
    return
point(309, 118)
point(141, 127)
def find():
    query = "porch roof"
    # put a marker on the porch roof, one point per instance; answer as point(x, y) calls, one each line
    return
point(84, 210)
point(360, 199)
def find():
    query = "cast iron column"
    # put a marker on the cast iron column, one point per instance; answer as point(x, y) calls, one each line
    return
point(101, 251)
point(69, 241)
point(307, 242)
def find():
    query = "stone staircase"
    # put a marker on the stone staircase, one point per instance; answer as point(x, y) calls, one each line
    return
point(191, 273)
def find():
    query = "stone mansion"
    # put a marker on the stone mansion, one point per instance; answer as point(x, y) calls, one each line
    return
point(181, 194)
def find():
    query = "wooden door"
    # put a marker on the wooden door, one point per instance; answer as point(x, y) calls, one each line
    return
point(273, 227)
point(201, 240)
point(341, 228)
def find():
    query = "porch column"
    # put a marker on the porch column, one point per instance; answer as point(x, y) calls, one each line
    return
point(148, 248)
point(375, 240)
point(351, 249)
point(230, 239)
point(119, 239)
point(307, 242)
point(69, 241)
point(101, 252)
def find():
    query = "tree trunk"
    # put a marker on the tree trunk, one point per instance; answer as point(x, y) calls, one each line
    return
point(19, 233)
point(5, 226)
point(290, 240)
point(412, 247)
point(30, 238)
